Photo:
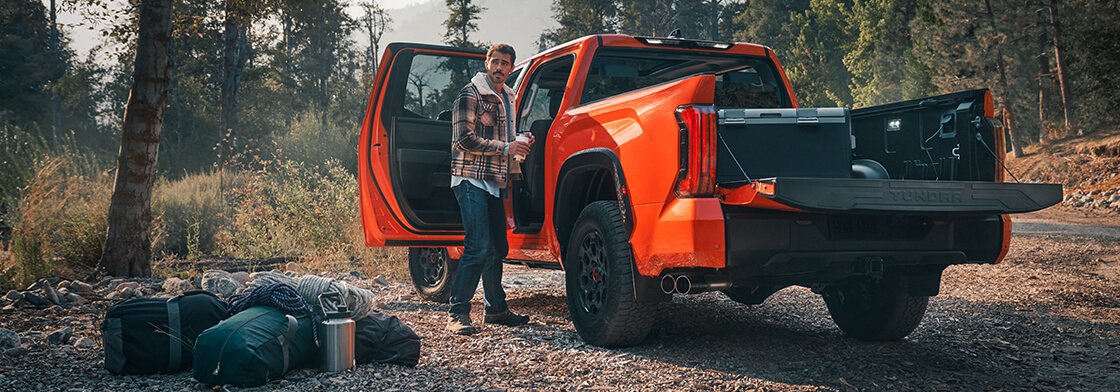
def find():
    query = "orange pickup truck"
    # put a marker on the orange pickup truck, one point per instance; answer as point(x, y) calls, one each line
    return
point(668, 166)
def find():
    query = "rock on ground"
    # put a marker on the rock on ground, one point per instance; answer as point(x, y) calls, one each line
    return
point(84, 343)
point(60, 336)
point(8, 339)
point(176, 286)
point(13, 295)
point(222, 283)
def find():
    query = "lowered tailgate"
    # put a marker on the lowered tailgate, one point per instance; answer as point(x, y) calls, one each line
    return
point(859, 195)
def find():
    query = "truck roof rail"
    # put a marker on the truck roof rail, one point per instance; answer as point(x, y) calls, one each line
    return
point(684, 43)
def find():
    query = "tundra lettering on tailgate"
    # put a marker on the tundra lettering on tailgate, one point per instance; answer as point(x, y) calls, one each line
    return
point(918, 195)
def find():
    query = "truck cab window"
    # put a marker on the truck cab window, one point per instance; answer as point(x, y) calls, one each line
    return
point(739, 79)
point(749, 88)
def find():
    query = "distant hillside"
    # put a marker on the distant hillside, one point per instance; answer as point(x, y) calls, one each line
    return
point(516, 23)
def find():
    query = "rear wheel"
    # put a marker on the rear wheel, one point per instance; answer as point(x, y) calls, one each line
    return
point(875, 310)
point(599, 279)
point(432, 271)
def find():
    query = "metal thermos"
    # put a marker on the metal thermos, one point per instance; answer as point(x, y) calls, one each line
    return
point(336, 334)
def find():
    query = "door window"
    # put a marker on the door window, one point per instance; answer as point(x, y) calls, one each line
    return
point(542, 100)
point(434, 82)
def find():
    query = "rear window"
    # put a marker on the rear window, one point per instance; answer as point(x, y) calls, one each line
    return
point(741, 81)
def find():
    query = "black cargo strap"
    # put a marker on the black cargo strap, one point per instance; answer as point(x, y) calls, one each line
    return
point(175, 330)
point(287, 337)
point(114, 346)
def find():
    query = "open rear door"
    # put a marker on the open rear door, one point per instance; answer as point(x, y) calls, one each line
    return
point(404, 154)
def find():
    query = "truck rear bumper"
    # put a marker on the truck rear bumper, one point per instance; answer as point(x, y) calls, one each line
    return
point(804, 247)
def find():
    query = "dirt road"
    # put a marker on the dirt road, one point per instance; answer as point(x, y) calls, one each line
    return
point(1047, 318)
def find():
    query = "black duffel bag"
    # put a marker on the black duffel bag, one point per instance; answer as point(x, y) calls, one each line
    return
point(156, 335)
point(385, 339)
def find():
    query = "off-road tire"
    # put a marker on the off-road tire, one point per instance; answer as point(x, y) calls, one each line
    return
point(613, 317)
point(432, 271)
point(875, 311)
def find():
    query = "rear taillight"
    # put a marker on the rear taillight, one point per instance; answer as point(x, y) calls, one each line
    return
point(697, 176)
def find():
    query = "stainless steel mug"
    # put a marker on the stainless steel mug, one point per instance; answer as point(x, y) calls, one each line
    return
point(336, 334)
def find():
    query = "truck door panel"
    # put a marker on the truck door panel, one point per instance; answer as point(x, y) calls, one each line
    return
point(404, 155)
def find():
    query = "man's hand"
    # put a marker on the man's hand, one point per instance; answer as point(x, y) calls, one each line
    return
point(521, 148)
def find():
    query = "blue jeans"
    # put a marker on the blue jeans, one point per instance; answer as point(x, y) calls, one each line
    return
point(484, 248)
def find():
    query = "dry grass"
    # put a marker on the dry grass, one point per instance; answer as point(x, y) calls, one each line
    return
point(309, 212)
point(1083, 163)
point(191, 211)
point(282, 209)
point(59, 221)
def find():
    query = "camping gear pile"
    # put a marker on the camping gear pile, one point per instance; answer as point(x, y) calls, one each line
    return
point(278, 323)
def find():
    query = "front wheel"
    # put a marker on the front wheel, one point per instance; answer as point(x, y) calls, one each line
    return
point(432, 271)
point(875, 310)
point(599, 278)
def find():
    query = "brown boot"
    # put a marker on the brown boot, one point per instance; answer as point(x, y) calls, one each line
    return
point(460, 324)
point(507, 318)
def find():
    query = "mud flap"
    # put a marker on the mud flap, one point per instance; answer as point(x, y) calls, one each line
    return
point(647, 289)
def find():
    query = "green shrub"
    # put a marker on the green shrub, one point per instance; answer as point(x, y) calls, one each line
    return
point(311, 143)
point(191, 210)
point(59, 220)
point(20, 151)
point(306, 211)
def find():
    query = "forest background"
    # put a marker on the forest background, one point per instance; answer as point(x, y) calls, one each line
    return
point(257, 156)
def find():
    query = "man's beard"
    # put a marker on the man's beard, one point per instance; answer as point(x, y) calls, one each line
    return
point(494, 77)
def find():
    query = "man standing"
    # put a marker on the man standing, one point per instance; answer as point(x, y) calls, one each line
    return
point(482, 147)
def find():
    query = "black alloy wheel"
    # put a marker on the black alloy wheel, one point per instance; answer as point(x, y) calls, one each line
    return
point(599, 268)
point(432, 270)
point(593, 273)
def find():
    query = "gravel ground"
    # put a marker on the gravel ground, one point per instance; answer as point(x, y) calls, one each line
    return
point(1047, 318)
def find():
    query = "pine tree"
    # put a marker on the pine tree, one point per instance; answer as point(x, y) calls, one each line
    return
point(648, 17)
point(881, 61)
point(813, 60)
point(28, 67)
point(461, 22)
point(578, 18)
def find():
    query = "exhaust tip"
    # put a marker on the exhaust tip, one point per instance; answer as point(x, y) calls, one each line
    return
point(683, 284)
point(668, 284)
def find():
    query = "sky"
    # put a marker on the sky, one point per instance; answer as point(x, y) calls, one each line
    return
point(414, 21)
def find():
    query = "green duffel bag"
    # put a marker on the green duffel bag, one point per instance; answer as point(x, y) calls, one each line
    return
point(253, 347)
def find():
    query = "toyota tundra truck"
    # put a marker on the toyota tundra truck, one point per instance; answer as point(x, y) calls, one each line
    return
point(666, 166)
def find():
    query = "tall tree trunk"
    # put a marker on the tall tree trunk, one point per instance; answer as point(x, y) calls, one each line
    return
point(232, 62)
point(465, 19)
point(1005, 95)
point(128, 247)
point(1063, 81)
point(1043, 74)
point(56, 65)
point(371, 51)
point(289, 84)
